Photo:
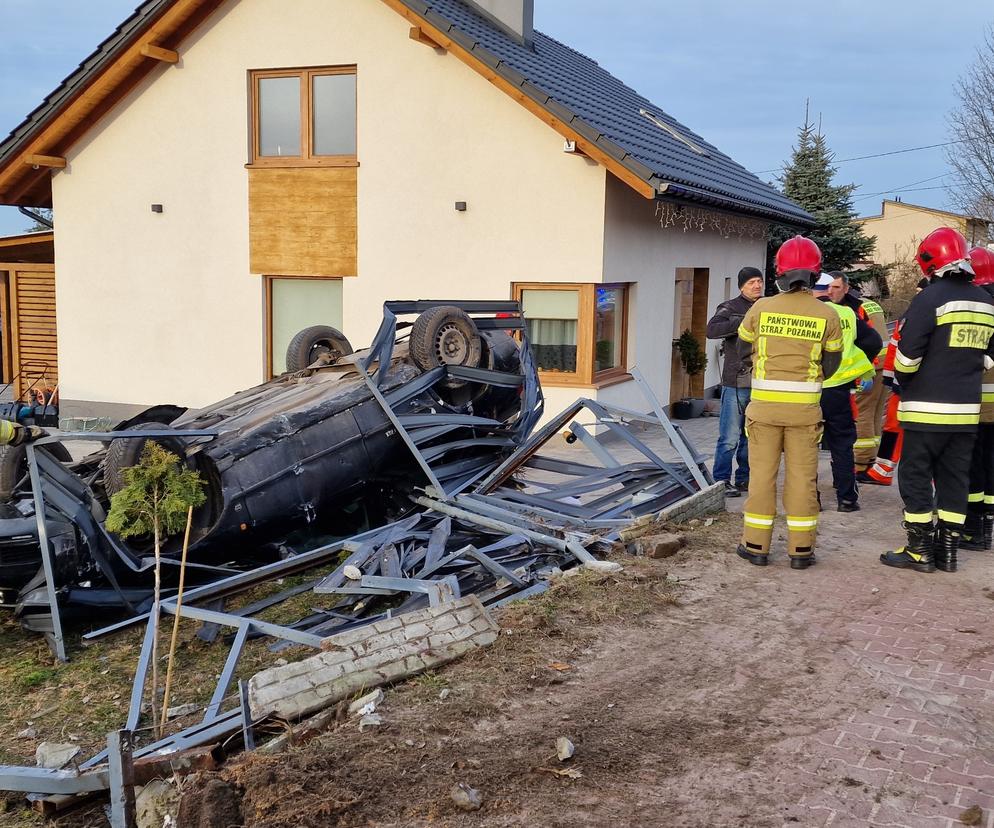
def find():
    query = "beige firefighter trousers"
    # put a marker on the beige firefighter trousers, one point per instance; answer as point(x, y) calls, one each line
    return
point(870, 407)
point(798, 446)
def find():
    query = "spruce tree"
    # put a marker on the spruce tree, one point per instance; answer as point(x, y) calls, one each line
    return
point(156, 500)
point(807, 180)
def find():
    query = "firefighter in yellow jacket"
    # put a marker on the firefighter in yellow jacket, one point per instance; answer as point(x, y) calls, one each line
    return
point(793, 342)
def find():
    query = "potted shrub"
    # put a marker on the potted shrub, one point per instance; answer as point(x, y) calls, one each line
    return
point(694, 360)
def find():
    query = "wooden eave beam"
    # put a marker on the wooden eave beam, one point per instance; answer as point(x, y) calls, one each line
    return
point(18, 179)
point(418, 34)
point(56, 162)
point(24, 239)
point(150, 50)
point(590, 148)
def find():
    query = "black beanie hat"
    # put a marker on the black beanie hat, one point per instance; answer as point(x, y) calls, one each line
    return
point(748, 273)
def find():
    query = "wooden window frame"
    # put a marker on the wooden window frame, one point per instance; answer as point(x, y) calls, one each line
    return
point(307, 158)
point(585, 376)
point(267, 319)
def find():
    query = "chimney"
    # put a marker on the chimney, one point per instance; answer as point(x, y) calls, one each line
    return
point(514, 16)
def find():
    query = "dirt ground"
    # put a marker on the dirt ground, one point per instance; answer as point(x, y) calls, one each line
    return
point(698, 691)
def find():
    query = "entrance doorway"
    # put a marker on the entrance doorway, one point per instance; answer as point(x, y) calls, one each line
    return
point(690, 313)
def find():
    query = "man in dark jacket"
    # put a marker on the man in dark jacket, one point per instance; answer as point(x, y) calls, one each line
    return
point(735, 384)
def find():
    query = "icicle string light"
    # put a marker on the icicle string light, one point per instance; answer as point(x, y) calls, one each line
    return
point(696, 219)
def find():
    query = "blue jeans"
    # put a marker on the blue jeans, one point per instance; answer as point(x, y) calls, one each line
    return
point(731, 436)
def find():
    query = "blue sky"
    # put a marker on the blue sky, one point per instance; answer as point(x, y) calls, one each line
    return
point(879, 73)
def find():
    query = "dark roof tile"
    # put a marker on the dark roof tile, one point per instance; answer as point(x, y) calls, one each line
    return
point(603, 106)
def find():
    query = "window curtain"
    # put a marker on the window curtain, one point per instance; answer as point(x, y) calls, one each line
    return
point(553, 343)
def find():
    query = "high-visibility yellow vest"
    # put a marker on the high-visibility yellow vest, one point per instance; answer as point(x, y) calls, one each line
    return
point(877, 319)
point(854, 362)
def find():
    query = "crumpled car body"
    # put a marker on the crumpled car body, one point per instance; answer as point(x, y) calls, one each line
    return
point(315, 449)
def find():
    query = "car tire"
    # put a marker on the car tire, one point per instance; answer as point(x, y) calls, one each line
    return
point(445, 335)
point(308, 345)
point(124, 453)
point(14, 464)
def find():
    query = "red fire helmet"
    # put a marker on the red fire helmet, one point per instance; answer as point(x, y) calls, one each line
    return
point(982, 260)
point(798, 253)
point(942, 250)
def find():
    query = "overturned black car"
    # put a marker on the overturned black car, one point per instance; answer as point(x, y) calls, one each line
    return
point(338, 443)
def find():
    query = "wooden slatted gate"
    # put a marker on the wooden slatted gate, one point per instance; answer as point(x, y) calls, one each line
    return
point(27, 317)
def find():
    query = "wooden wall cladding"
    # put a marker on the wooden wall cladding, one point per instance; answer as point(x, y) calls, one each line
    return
point(29, 325)
point(302, 221)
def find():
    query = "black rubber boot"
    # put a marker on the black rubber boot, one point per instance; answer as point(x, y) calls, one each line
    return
point(947, 540)
point(753, 558)
point(917, 554)
point(988, 529)
point(972, 534)
point(803, 562)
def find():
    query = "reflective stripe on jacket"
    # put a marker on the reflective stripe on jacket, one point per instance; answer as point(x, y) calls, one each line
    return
point(854, 362)
point(789, 335)
point(987, 388)
point(946, 343)
point(892, 346)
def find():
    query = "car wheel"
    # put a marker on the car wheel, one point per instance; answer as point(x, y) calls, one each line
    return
point(445, 335)
point(14, 464)
point(126, 452)
point(308, 346)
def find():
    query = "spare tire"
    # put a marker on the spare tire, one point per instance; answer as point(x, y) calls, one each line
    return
point(445, 335)
point(308, 346)
point(14, 464)
point(125, 453)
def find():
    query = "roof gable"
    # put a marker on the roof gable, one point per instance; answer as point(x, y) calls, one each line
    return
point(114, 68)
point(889, 204)
point(636, 140)
point(602, 109)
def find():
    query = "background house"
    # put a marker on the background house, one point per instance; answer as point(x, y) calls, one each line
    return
point(224, 174)
point(900, 227)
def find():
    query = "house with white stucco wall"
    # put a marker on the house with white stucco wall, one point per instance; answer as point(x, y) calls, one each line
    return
point(224, 173)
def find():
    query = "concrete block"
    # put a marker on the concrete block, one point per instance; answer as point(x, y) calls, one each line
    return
point(345, 639)
point(445, 622)
point(388, 624)
point(370, 656)
point(483, 623)
point(658, 546)
point(414, 664)
point(390, 673)
point(486, 638)
point(440, 609)
point(465, 616)
point(453, 651)
point(342, 656)
point(441, 640)
point(415, 630)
